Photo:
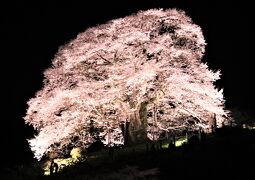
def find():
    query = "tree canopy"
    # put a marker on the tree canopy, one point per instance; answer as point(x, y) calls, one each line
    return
point(144, 69)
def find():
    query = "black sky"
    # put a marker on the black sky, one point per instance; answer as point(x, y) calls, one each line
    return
point(34, 30)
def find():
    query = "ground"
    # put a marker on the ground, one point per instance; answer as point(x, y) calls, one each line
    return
point(227, 153)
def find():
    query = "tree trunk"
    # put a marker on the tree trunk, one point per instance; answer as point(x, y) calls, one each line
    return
point(135, 131)
point(213, 123)
point(125, 132)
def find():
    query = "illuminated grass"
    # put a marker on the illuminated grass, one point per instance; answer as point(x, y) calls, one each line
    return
point(76, 153)
point(178, 143)
point(165, 146)
point(62, 162)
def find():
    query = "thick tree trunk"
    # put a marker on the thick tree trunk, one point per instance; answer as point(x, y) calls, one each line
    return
point(213, 123)
point(142, 130)
point(125, 132)
point(135, 131)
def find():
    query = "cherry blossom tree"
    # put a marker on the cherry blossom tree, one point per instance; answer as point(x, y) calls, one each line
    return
point(140, 75)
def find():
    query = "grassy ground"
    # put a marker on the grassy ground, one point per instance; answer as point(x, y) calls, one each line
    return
point(228, 153)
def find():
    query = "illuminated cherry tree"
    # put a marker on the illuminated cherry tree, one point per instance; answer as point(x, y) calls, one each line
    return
point(140, 75)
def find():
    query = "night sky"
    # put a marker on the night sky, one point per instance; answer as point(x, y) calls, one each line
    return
point(34, 30)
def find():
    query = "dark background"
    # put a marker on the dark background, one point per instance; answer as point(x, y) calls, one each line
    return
point(33, 31)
